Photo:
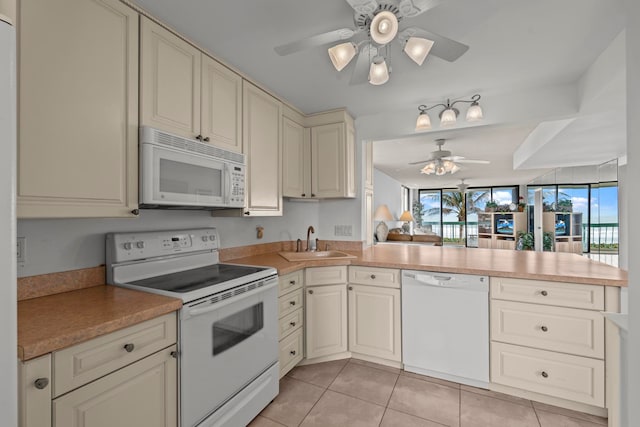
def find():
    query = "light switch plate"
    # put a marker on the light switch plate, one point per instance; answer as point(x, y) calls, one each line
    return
point(21, 254)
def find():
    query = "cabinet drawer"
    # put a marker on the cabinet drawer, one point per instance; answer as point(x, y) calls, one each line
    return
point(580, 379)
point(289, 303)
point(566, 330)
point(290, 282)
point(551, 293)
point(85, 362)
point(291, 322)
point(290, 352)
point(386, 277)
point(325, 275)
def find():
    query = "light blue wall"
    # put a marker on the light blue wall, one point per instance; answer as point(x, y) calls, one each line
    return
point(388, 191)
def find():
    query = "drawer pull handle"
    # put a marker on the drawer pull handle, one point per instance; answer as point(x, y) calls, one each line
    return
point(292, 323)
point(41, 383)
point(129, 347)
point(311, 291)
point(373, 276)
point(544, 374)
point(292, 352)
point(292, 282)
point(544, 328)
point(292, 303)
point(544, 293)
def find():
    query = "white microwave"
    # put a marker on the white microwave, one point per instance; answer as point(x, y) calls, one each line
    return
point(181, 173)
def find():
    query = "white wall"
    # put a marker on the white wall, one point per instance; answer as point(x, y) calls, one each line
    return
point(8, 294)
point(388, 191)
point(633, 204)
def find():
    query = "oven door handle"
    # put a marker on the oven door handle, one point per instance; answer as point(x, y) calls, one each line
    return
point(193, 312)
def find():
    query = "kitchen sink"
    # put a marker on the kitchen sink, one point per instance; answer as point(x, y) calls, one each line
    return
point(316, 255)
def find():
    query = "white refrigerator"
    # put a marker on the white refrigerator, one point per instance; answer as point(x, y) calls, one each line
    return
point(8, 293)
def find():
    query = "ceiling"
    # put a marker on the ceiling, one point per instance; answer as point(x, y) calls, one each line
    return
point(530, 61)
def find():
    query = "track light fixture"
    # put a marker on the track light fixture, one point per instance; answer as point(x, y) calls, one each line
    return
point(449, 114)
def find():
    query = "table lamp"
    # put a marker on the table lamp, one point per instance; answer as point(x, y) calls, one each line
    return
point(407, 218)
point(382, 214)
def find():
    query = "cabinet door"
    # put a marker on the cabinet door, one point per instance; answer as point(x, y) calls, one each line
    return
point(368, 164)
point(34, 392)
point(78, 109)
point(296, 160)
point(169, 81)
point(143, 394)
point(326, 320)
point(374, 321)
point(262, 118)
point(368, 216)
point(328, 159)
point(221, 105)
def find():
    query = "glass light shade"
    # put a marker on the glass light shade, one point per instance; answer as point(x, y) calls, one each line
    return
point(429, 168)
point(440, 169)
point(406, 216)
point(423, 122)
point(448, 165)
point(342, 54)
point(378, 72)
point(455, 168)
point(382, 213)
point(474, 113)
point(417, 49)
point(448, 118)
point(384, 27)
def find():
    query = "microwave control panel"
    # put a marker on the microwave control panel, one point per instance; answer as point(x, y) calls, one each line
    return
point(236, 198)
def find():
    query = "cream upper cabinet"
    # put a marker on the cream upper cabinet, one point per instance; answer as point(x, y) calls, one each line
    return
point(169, 81)
point(78, 109)
point(262, 143)
point(326, 320)
point(332, 161)
point(368, 164)
point(221, 105)
point(296, 161)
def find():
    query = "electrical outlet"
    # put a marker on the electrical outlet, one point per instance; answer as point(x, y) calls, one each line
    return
point(21, 254)
point(343, 230)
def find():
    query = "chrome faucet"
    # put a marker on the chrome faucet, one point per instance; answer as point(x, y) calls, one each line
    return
point(309, 231)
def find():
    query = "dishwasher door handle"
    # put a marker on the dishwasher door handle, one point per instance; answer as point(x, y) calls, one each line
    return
point(442, 278)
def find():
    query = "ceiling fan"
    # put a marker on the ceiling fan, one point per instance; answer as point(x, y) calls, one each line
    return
point(441, 161)
point(377, 24)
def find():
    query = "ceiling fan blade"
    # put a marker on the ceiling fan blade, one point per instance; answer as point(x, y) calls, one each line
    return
point(411, 8)
point(313, 41)
point(360, 72)
point(420, 162)
point(479, 162)
point(443, 47)
point(364, 7)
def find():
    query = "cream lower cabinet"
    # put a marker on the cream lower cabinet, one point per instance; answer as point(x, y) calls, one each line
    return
point(291, 320)
point(125, 378)
point(548, 338)
point(78, 109)
point(374, 313)
point(325, 311)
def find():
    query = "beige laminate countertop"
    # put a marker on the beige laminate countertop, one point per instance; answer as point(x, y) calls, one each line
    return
point(53, 322)
point(553, 266)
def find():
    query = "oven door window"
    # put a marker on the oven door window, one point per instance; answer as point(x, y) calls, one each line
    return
point(237, 327)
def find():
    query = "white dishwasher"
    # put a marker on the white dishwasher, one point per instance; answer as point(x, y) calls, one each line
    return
point(445, 326)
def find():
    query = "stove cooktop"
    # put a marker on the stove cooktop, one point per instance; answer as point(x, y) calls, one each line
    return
point(197, 278)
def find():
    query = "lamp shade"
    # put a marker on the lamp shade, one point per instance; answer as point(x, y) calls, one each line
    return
point(448, 117)
point(382, 213)
point(384, 27)
point(342, 54)
point(417, 49)
point(406, 216)
point(378, 72)
point(423, 122)
point(474, 113)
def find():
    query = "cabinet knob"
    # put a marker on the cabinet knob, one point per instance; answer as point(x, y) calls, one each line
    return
point(199, 137)
point(313, 195)
point(303, 194)
point(373, 276)
point(350, 288)
point(544, 374)
point(174, 354)
point(292, 352)
point(247, 213)
point(206, 139)
point(136, 212)
point(292, 303)
point(292, 282)
point(544, 293)
point(41, 383)
point(544, 328)
point(292, 323)
point(129, 347)
point(311, 291)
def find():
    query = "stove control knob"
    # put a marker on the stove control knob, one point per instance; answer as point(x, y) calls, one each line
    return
point(204, 238)
point(127, 246)
point(140, 245)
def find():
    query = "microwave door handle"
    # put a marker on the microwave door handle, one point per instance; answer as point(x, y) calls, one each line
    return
point(227, 173)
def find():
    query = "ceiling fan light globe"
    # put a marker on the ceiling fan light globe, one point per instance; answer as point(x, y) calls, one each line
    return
point(417, 49)
point(423, 122)
point(455, 168)
point(378, 72)
point(342, 54)
point(474, 113)
point(448, 118)
point(428, 169)
point(383, 27)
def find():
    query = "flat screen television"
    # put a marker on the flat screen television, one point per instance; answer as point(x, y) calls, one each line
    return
point(504, 224)
point(563, 224)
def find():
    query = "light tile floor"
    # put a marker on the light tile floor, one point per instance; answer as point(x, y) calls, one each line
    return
point(354, 393)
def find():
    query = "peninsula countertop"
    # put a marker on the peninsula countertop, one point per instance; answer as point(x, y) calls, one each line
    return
point(552, 266)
